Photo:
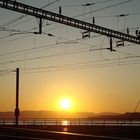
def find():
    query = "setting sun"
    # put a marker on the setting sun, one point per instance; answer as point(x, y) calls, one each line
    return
point(65, 104)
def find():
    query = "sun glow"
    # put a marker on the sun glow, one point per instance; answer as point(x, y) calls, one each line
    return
point(66, 104)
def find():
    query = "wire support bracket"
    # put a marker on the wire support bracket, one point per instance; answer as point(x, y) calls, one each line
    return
point(44, 14)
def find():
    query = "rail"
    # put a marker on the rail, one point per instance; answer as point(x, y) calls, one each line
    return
point(70, 122)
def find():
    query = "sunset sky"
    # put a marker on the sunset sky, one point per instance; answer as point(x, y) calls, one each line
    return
point(65, 66)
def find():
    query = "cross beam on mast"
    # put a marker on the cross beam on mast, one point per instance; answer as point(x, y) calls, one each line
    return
point(44, 14)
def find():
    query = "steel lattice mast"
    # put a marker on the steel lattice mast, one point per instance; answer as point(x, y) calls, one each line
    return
point(44, 14)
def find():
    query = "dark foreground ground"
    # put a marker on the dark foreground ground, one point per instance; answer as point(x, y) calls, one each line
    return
point(70, 133)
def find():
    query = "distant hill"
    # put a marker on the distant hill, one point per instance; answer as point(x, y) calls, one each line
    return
point(107, 113)
point(117, 116)
point(46, 114)
point(5, 115)
point(59, 114)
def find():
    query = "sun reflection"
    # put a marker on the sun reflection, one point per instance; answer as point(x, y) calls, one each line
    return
point(64, 122)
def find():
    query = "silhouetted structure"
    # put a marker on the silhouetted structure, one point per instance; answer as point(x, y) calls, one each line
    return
point(17, 97)
point(43, 14)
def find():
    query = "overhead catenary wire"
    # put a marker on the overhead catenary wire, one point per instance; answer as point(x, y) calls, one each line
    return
point(78, 66)
point(118, 15)
point(28, 31)
point(54, 45)
point(23, 16)
point(5, 72)
point(104, 8)
point(8, 36)
point(50, 46)
point(88, 4)
point(90, 64)
point(61, 68)
point(60, 54)
point(52, 68)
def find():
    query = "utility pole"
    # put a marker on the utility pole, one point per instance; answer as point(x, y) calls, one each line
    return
point(17, 98)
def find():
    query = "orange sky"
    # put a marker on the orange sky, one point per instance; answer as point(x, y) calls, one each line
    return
point(98, 92)
point(67, 66)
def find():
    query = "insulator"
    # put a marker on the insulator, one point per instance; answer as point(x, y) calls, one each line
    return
point(119, 43)
point(50, 34)
point(136, 32)
point(93, 20)
point(122, 15)
point(60, 10)
point(88, 4)
point(127, 30)
point(85, 34)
